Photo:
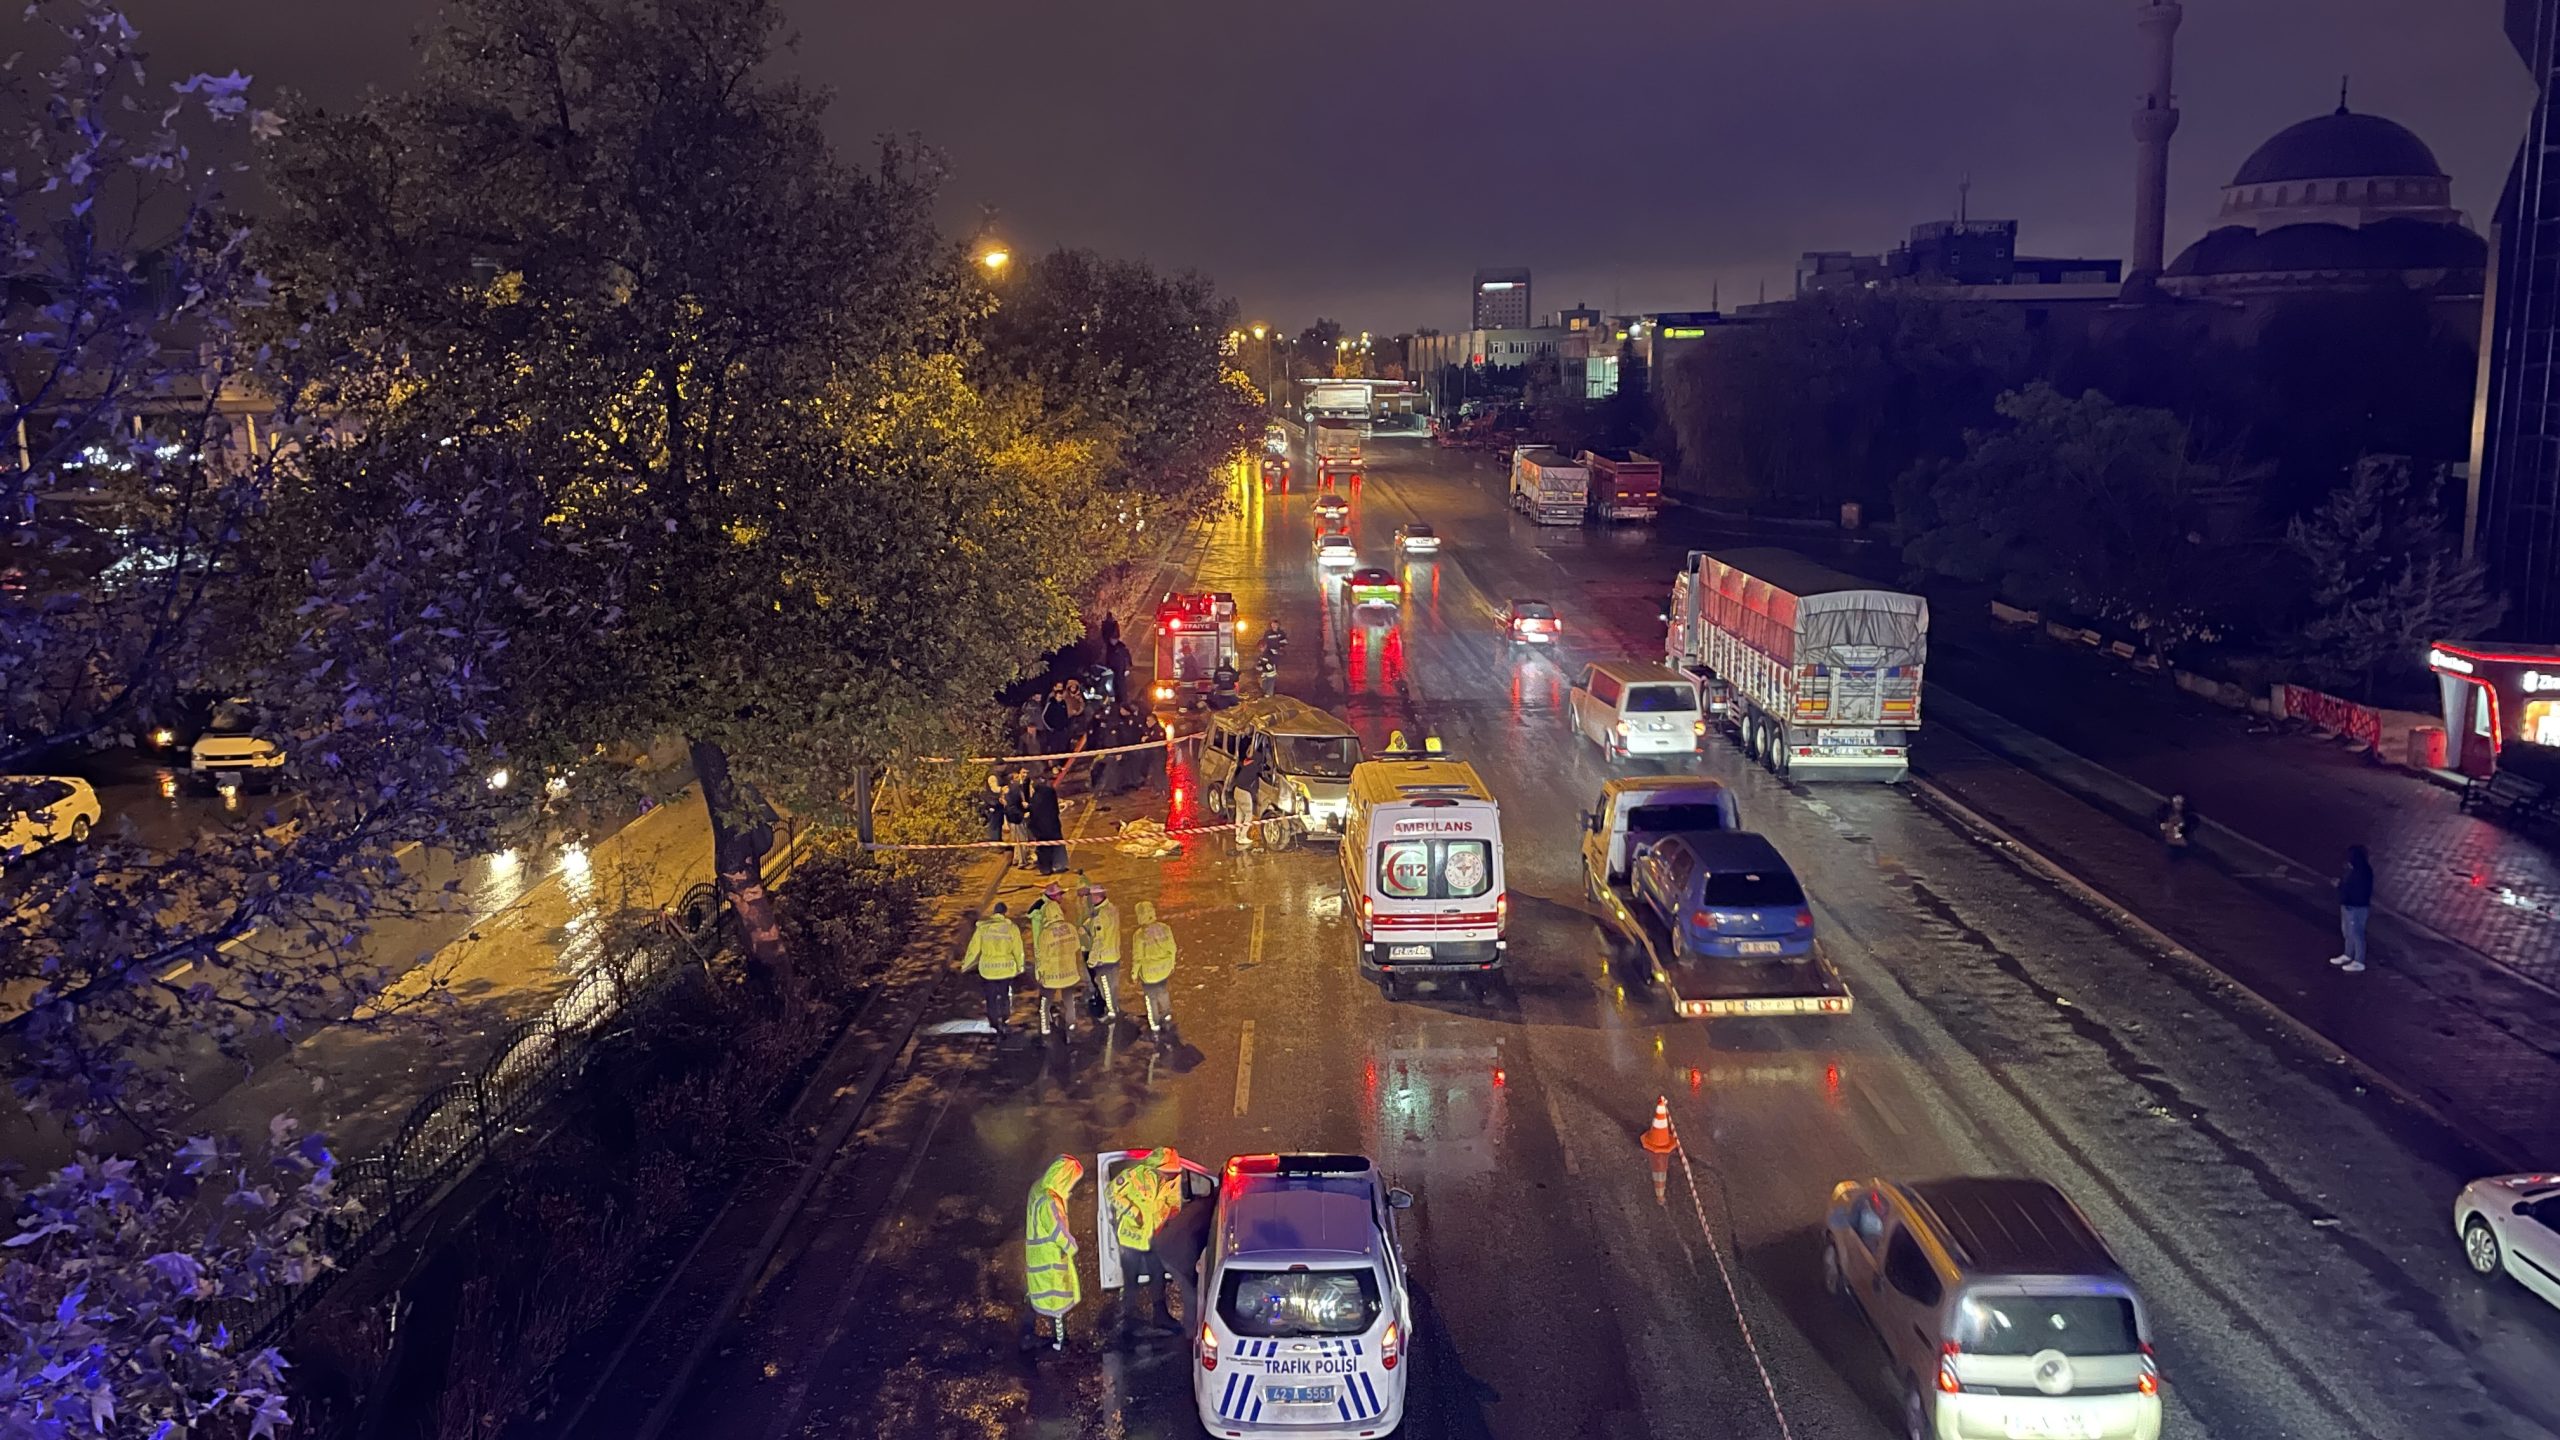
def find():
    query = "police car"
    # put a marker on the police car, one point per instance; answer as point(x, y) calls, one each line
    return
point(1306, 1323)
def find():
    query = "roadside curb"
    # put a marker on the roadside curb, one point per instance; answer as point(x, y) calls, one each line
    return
point(848, 1105)
point(2222, 836)
point(1965, 817)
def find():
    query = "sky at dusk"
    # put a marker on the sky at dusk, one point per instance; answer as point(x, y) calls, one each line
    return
point(1358, 160)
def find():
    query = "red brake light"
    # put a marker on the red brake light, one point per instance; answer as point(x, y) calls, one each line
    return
point(1947, 1380)
point(1389, 1352)
point(1703, 919)
point(1501, 907)
point(1208, 1347)
point(1804, 919)
point(2148, 1384)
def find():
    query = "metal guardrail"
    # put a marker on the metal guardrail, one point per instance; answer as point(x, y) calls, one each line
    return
point(454, 1127)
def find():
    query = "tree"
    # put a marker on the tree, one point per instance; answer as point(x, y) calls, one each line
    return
point(2079, 502)
point(138, 541)
point(2387, 576)
point(596, 231)
point(1840, 393)
point(1111, 354)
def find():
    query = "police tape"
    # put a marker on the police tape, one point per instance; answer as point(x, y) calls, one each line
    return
point(1166, 743)
point(1123, 838)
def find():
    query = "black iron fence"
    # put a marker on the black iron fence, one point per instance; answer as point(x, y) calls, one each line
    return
point(452, 1128)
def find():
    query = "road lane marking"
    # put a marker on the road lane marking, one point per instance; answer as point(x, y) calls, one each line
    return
point(1878, 1108)
point(1555, 1121)
point(1244, 1068)
point(1733, 1296)
point(1253, 947)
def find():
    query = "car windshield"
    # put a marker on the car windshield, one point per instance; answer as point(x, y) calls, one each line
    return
point(1533, 610)
point(1673, 819)
point(1660, 699)
point(2032, 1324)
point(1322, 757)
point(1752, 887)
point(1335, 542)
point(1277, 1304)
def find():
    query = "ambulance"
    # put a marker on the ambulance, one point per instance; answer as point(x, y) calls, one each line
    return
point(1306, 1318)
point(1422, 867)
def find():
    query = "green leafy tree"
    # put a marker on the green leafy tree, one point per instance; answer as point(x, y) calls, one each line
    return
point(596, 231)
point(2073, 501)
point(1840, 393)
point(1129, 362)
point(2387, 575)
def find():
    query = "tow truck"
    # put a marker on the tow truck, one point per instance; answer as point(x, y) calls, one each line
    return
point(1195, 631)
point(1634, 809)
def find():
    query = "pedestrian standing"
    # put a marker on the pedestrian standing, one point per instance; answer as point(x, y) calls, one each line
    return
point(1046, 828)
point(1056, 960)
point(1115, 654)
point(1144, 1195)
point(1102, 951)
point(2355, 908)
point(1017, 816)
point(995, 952)
point(1049, 1280)
point(1151, 950)
point(991, 806)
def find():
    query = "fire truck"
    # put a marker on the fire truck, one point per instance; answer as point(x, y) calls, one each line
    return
point(1195, 630)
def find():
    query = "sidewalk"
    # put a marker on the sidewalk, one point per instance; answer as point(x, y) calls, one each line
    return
point(2284, 806)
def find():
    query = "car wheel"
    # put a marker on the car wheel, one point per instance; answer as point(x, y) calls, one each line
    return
point(79, 829)
point(1915, 1413)
point(1834, 1283)
point(2480, 1247)
point(1216, 800)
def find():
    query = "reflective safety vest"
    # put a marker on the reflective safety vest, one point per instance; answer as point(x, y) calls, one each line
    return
point(1152, 948)
point(1102, 935)
point(1054, 955)
point(995, 949)
point(1142, 1199)
point(1049, 1243)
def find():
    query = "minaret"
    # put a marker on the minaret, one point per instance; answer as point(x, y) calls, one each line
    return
point(2155, 119)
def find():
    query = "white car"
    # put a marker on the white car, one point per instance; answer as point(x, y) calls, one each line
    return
point(1417, 538)
point(1336, 550)
point(2511, 1223)
point(231, 747)
point(1306, 1320)
point(38, 810)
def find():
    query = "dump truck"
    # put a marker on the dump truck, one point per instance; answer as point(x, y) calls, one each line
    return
point(1546, 486)
point(1625, 485)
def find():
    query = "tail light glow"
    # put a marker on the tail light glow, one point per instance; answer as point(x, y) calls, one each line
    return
point(1208, 1347)
point(1502, 907)
point(1704, 919)
point(1389, 1349)
point(1804, 919)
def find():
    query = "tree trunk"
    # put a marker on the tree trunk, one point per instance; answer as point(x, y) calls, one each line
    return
point(741, 833)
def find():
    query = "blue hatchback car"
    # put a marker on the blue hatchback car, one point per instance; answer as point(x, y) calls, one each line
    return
point(1726, 895)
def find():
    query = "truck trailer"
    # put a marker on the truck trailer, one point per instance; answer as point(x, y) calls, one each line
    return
point(1336, 445)
point(1625, 485)
point(1547, 487)
point(1816, 673)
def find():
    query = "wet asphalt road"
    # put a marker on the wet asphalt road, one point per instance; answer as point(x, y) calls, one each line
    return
point(2291, 1233)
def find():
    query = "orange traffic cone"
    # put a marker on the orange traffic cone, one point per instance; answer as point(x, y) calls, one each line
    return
point(1658, 1139)
point(1661, 1163)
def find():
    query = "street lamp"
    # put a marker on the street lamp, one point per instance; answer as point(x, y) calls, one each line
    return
point(1261, 331)
point(995, 258)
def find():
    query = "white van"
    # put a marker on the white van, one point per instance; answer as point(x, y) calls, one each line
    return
point(1627, 708)
point(1422, 865)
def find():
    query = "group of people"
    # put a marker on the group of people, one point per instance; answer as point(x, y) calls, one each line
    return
point(1021, 805)
point(1160, 1225)
point(1072, 956)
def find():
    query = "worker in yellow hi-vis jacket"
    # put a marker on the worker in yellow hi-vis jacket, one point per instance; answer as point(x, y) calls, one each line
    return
point(1049, 1278)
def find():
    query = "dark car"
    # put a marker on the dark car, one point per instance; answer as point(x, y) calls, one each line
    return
point(1725, 895)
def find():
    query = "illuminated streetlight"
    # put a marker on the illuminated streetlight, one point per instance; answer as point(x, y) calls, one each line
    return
point(995, 258)
point(1261, 331)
